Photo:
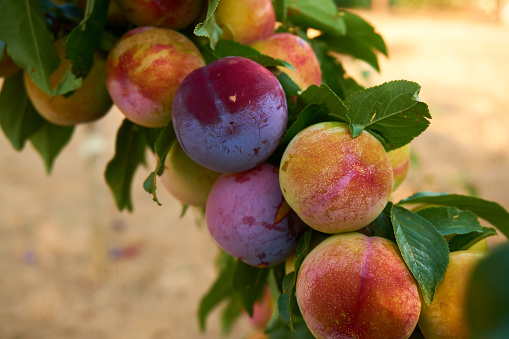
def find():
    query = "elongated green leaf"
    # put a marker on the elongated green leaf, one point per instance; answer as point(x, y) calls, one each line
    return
point(225, 48)
point(292, 92)
point(30, 44)
point(129, 154)
point(382, 226)
point(281, 9)
point(220, 290)
point(323, 95)
point(423, 248)
point(360, 29)
point(450, 220)
point(490, 211)
point(209, 28)
point(249, 283)
point(322, 15)
point(84, 39)
point(390, 110)
point(463, 242)
point(18, 118)
point(161, 147)
point(286, 300)
point(49, 140)
point(230, 314)
point(488, 297)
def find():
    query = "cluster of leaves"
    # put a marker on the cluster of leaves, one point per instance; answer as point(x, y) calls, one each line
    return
point(392, 112)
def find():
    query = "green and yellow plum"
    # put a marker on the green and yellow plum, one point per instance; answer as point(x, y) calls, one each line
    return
point(446, 317)
point(88, 103)
point(249, 219)
point(246, 21)
point(298, 53)
point(187, 181)
point(230, 115)
point(400, 162)
point(354, 286)
point(144, 70)
point(334, 182)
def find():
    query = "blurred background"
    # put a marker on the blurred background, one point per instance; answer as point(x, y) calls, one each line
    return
point(72, 266)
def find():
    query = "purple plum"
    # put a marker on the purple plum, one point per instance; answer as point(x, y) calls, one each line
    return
point(230, 115)
point(248, 217)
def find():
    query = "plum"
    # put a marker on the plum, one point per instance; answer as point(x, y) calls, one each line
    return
point(354, 286)
point(144, 69)
point(246, 21)
point(230, 115)
point(334, 182)
point(88, 103)
point(248, 217)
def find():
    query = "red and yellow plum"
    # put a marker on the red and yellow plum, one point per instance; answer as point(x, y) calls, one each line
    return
point(187, 181)
point(249, 219)
point(262, 310)
point(172, 14)
point(246, 21)
point(88, 103)
point(144, 70)
point(230, 115)
point(334, 182)
point(296, 51)
point(400, 162)
point(354, 286)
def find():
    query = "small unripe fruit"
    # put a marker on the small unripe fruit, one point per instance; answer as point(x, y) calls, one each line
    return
point(334, 182)
point(187, 181)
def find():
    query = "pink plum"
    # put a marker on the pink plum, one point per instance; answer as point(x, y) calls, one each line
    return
point(296, 51)
point(334, 182)
point(354, 286)
point(144, 70)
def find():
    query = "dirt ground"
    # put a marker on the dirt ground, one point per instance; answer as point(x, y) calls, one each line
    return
point(72, 266)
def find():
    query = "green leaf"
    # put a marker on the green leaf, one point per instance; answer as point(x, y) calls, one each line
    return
point(490, 211)
point(333, 73)
point(230, 314)
point(84, 39)
point(286, 300)
point(220, 290)
point(249, 283)
point(361, 40)
point(2, 49)
point(18, 118)
point(463, 242)
point(184, 210)
point(161, 146)
point(209, 28)
point(322, 15)
point(49, 140)
point(450, 220)
point(390, 110)
point(129, 153)
point(225, 48)
point(488, 296)
point(423, 248)
point(24, 30)
point(280, 7)
point(323, 95)
point(292, 92)
point(382, 226)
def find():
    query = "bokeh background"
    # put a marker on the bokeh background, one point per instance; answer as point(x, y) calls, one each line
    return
point(72, 266)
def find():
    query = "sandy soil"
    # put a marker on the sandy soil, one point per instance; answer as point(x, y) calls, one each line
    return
point(57, 233)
